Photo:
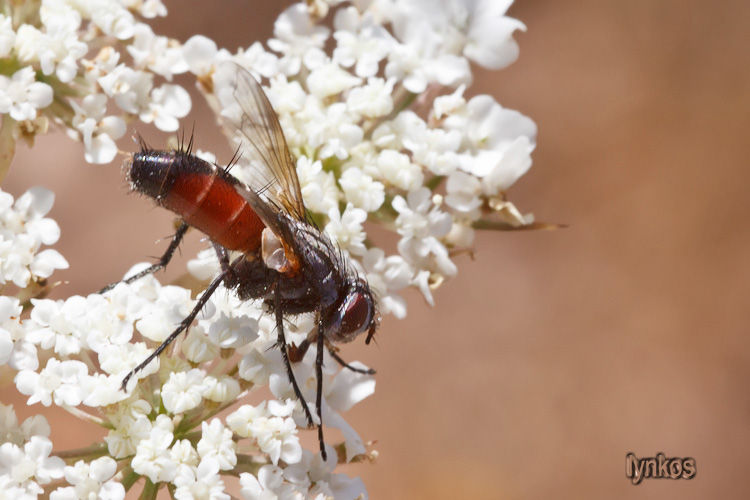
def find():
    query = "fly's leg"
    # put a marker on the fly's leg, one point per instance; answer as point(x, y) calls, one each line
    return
point(223, 255)
point(281, 343)
point(319, 377)
point(364, 371)
point(296, 353)
point(163, 261)
point(183, 326)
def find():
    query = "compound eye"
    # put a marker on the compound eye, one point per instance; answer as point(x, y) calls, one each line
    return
point(356, 314)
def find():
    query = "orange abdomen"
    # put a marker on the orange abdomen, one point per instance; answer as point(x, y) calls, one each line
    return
point(203, 195)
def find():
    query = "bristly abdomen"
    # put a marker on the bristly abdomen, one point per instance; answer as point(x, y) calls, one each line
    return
point(200, 193)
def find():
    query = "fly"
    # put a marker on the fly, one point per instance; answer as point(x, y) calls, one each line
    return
point(285, 259)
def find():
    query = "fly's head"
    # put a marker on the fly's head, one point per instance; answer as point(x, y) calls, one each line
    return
point(355, 313)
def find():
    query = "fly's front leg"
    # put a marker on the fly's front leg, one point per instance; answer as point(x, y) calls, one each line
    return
point(319, 377)
point(281, 344)
point(163, 261)
point(297, 352)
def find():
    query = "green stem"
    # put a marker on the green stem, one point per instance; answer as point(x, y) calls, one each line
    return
point(86, 416)
point(7, 145)
point(86, 454)
point(129, 478)
point(434, 182)
point(150, 490)
point(484, 224)
point(248, 463)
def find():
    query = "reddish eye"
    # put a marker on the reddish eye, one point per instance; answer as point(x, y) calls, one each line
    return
point(357, 314)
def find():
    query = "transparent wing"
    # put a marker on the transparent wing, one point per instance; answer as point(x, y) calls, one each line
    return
point(249, 120)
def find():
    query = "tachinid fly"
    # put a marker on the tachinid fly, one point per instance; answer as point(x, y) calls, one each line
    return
point(286, 260)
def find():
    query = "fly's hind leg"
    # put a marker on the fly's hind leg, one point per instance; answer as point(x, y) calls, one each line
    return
point(184, 324)
point(163, 261)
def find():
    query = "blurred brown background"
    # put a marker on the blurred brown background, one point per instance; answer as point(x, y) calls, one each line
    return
point(552, 354)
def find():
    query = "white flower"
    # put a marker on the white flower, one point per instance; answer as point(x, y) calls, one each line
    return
point(372, 100)
point(216, 444)
point(24, 466)
point(259, 60)
point(269, 484)
point(346, 228)
point(297, 38)
point(183, 391)
point(451, 29)
point(120, 359)
point(397, 169)
point(275, 435)
point(148, 8)
point(347, 389)
point(241, 419)
point(422, 57)
point(330, 79)
point(57, 324)
point(229, 327)
point(221, 390)
point(205, 265)
point(421, 223)
point(361, 190)
point(110, 317)
point(60, 48)
point(360, 41)
point(11, 432)
point(450, 104)
point(59, 380)
point(129, 88)
point(463, 192)
point(129, 431)
point(201, 483)
point(184, 455)
point(28, 41)
point(257, 366)
point(199, 53)
point(156, 53)
point(22, 96)
point(102, 390)
point(170, 308)
point(92, 480)
point(319, 189)
point(13, 343)
point(501, 169)
point(167, 104)
point(7, 36)
point(387, 275)
point(197, 347)
point(498, 142)
point(419, 217)
point(489, 37)
point(113, 20)
point(152, 457)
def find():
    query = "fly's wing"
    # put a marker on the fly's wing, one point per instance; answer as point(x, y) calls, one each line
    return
point(249, 119)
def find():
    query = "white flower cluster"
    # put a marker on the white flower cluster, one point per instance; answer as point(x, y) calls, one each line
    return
point(25, 461)
point(23, 230)
point(60, 62)
point(375, 113)
point(163, 428)
point(373, 141)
